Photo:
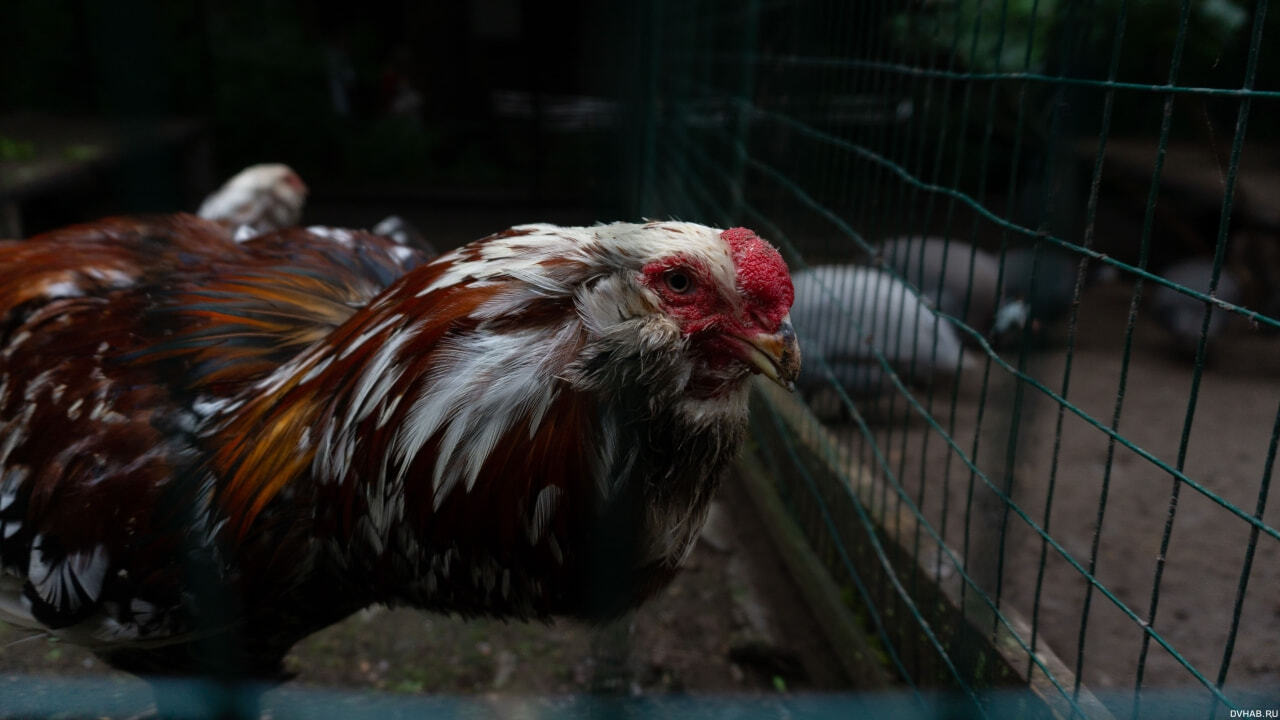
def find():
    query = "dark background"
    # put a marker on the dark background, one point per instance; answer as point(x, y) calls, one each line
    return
point(534, 111)
point(378, 105)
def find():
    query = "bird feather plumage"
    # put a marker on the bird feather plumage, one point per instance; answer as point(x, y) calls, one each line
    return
point(240, 442)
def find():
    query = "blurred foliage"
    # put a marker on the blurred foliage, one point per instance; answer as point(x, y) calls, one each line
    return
point(81, 152)
point(12, 150)
point(986, 36)
point(1075, 39)
point(993, 36)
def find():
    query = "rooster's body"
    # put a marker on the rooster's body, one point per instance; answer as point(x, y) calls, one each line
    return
point(211, 449)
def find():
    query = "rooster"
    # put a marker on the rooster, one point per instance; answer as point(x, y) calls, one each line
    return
point(271, 196)
point(256, 200)
point(211, 449)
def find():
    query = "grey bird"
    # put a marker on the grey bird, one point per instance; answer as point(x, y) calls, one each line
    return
point(1182, 315)
point(997, 307)
point(1047, 285)
point(845, 316)
point(936, 264)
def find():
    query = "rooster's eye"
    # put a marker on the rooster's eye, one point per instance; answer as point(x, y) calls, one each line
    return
point(679, 282)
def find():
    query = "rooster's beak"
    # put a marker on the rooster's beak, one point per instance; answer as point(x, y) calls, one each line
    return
point(776, 355)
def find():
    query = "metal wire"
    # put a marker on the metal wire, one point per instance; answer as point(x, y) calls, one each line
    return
point(785, 160)
point(1228, 198)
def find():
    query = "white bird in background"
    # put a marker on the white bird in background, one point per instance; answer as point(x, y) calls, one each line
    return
point(258, 199)
point(270, 196)
point(934, 263)
point(846, 315)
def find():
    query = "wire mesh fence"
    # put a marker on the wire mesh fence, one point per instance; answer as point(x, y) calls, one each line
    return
point(1037, 271)
point(1038, 283)
point(95, 698)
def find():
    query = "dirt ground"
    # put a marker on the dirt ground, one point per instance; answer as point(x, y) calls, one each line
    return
point(1226, 453)
point(731, 622)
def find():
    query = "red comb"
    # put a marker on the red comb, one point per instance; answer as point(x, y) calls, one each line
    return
point(762, 273)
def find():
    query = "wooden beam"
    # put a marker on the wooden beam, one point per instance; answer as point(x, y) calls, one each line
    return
point(987, 653)
point(847, 638)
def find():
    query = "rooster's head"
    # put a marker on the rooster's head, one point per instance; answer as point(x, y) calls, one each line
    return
point(689, 310)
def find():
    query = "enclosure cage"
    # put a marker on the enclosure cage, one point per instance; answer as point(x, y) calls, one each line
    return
point(1034, 245)
point(1025, 471)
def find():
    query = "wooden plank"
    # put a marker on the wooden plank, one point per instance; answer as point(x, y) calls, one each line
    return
point(988, 652)
point(858, 656)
